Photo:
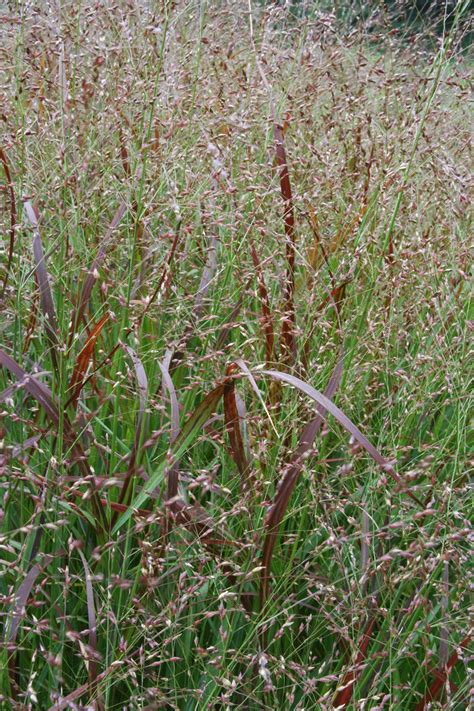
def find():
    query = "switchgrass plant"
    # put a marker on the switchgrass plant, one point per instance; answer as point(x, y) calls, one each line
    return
point(234, 361)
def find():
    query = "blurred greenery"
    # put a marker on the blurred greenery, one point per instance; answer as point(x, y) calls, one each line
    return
point(425, 18)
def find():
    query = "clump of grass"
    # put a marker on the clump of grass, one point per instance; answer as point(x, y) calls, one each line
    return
point(194, 397)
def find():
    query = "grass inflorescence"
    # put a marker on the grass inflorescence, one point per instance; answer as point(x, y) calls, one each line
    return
point(234, 375)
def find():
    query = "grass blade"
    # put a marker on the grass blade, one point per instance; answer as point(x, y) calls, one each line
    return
point(68, 701)
point(13, 217)
point(348, 425)
point(286, 488)
point(42, 279)
point(18, 612)
point(244, 368)
point(83, 360)
point(92, 621)
point(442, 677)
point(93, 274)
point(42, 394)
point(188, 434)
point(142, 382)
point(344, 696)
point(207, 276)
point(21, 599)
point(232, 421)
point(288, 341)
point(164, 281)
point(173, 474)
point(267, 321)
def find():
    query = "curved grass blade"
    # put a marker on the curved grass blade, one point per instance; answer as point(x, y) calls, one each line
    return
point(348, 425)
point(286, 488)
point(13, 217)
point(21, 599)
point(244, 368)
point(18, 612)
point(27, 444)
point(35, 388)
point(142, 382)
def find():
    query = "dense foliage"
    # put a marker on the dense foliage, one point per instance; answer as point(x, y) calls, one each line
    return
point(234, 375)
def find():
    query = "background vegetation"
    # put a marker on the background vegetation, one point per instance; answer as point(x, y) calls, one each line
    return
point(217, 216)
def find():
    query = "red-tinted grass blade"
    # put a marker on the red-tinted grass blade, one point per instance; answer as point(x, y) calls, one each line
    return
point(233, 426)
point(83, 360)
point(442, 677)
point(93, 272)
point(35, 388)
point(267, 321)
point(286, 488)
point(27, 444)
point(348, 425)
point(335, 297)
point(344, 696)
point(288, 343)
point(13, 218)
